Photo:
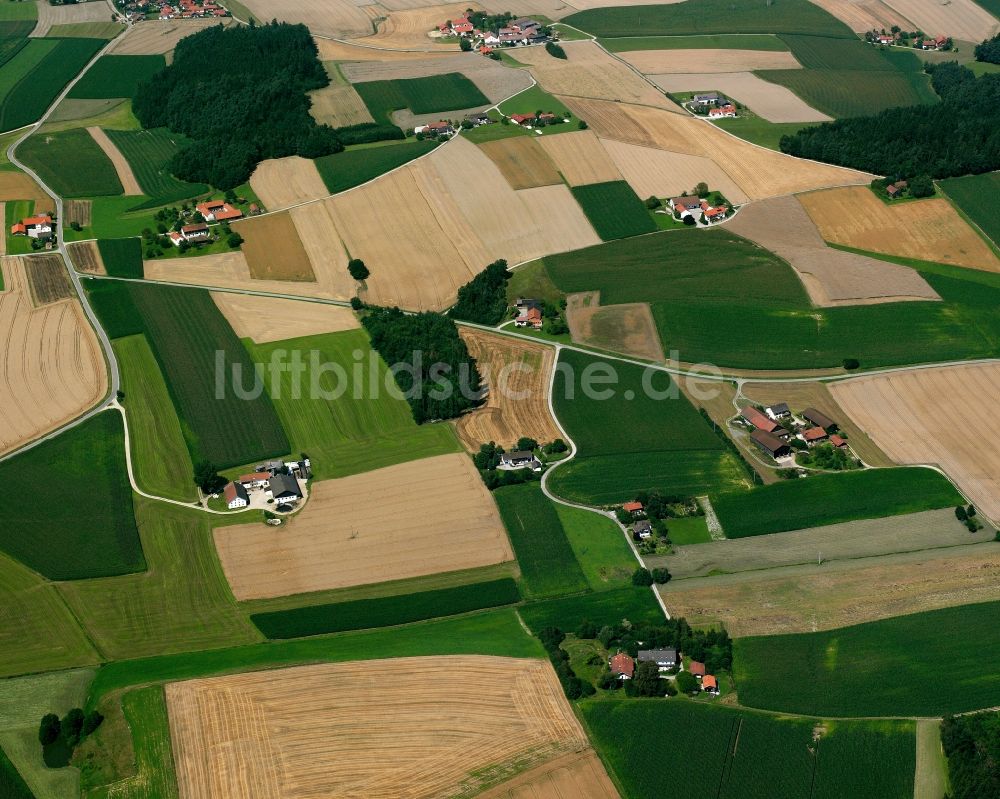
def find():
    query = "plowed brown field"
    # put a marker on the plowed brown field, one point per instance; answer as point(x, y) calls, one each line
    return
point(423, 517)
point(266, 319)
point(517, 373)
point(78, 211)
point(580, 157)
point(577, 776)
point(407, 728)
point(273, 249)
point(944, 416)
point(280, 182)
point(930, 230)
point(18, 186)
point(47, 279)
point(523, 162)
point(86, 257)
point(51, 366)
point(626, 328)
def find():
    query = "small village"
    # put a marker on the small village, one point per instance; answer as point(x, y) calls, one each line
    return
point(915, 40)
point(781, 434)
point(139, 10)
point(483, 33)
point(671, 665)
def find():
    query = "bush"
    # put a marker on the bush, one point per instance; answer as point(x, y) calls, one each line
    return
point(851, 364)
point(49, 729)
point(234, 240)
point(652, 203)
point(642, 577)
point(582, 125)
point(661, 576)
point(356, 303)
point(358, 269)
point(555, 50)
point(687, 683)
point(465, 45)
point(961, 514)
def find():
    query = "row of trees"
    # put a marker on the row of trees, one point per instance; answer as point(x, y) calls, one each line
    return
point(59, 737)
point(958, 136)
point(573, 686)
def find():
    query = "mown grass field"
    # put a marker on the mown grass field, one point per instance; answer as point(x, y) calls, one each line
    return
point(850, 92)
point(351, 168)
point(31, 84)
point(122, 257)
point(148, 153)
point(354, 430)
point(493, 633)
point(116, 76)
point(182, 602)
point(14, 212)
point(87, 528)
point(113, 305)
point(548, 564)
point(709, 17)
point(978, 196)
point(600, 548)
point(832, 498)
point(72, 163)
point(710, 41)
point(186, 331)
point(159, 456)
point(387, 611)
point(614, 209)
point(638, 605)
point(535, 99)
point(448, 92)
point(22, 57)
point(715, 751)
point(924, 664)
point(758, 130)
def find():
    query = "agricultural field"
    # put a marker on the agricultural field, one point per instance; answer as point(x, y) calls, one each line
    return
point(160, 457)
point(548, 565)
point(387, 611)
point(580, 775)
point(338, 105)
point(85, 30)
point(870, 669)
point(628, 329)
point(963, 19)
point(710, 41)
point(162, 36)
point(615, 211)
point(122, 167)
point(600, 548)
point(15, 185)
point(535, 99)
point(116, 76)
point(676, 61)
point(580, 158)
point(716, 751)
point(865, 15)
point(758, 131)
point(807, 597)
point(273, 249)
point(523, 162)
point(468, 730)
point(432, 94)
point(55, 16)
point(53, 369)
point(186, 330)
point(91, 532)
point(340, 20)
point(422, 517)
point(976, 196)
point(517, 373)
point(147, 153)
point(72, 163)
point(351, 168)
point(281, 182)
point(268, 319)
point(345, 429)
point(47, 280)
point(407, 28)
point(121, 257)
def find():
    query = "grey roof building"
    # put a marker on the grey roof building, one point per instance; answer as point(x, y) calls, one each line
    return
point(664, 658)
point(284, 486)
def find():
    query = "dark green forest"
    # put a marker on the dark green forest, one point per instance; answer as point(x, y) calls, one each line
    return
point(241, 94)
point(972, 744)
point(484, 298)
point(429, 360)
point(958, 136)
point(989, 50)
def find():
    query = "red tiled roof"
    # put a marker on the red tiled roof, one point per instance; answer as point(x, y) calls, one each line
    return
point(228, 213)
point(632, 507)
point(759, 420)
point(837, 441)
point(196, 228)
point(696, 668)
point(708, 681)
point(36, 220)
point(522, 118)
point(17, 228)
point(622, 664)
point(254, 476)
point(814, 434)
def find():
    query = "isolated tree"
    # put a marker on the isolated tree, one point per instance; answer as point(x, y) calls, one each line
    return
point(581, 124)
point(970, 511)
point(701, 189)
point(661, 576)
point(234, 240)
point(851, 364)
point(49, 729)
point(555, 50)
point(358, 269)
point(961, 514)
point(687, 683)
point(653, 203)
point(465, 45)
point(356, 303)
point(642, 577)
point(527, 443)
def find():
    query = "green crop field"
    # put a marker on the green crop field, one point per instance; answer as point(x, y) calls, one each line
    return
point(116, 76)
point(822, 52)
point(448, 92)
point(719, 752)
point(758, 130)
point(113, 305)
point(15, 211)
point(832, 498)
point(614, 209)
point(535, 99)
point(351, 431)
point(548, 565)
point(722, 41)
point(14, 35)
point(492, 633)
point(386, 611)
point(148, 153)
point(351, 168)
point(121, 257)
point(86, 30)
point(90, 531)
point(638, 605)
point(181, 603)
point(30, 84)
point(924, 664)
point(159, 456)
point(11, 784)
point(993, 6)
point(710, 16)
point(72, 163)
point(978, 196)
point(18, 12)
point(600, 548)
point(188, 335)
point(851, 93)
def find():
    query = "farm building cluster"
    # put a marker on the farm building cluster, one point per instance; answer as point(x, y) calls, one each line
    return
point(486, 32)
point(699, 209)
point(272, 483)
point(775, 430)
point(447, 128)
point(197, 230)
point(39, 228)
point(540, 119)
point(138, 10)
point(668, 662)
point(917, 40)
point(712, 105)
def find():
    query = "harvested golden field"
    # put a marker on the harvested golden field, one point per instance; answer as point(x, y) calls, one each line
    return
point(49, 15)
point(161, 35)
point(580, 157)
point(660, 173)
point(832, 277)
point(78, 211)
point(553, 9)
point(48, 281)
point(580, 775)
point(930, 230)
point(662, 62)
point(273, 249)
point(281, 182)
point(583, 5)
point(757, 171)
point(51, 368)
point(339, 105)
point(266, 319)
point(517, 373)
point(121, 165)
point(768, 100)
point(16, 185)
point(85, 257)
point(406, 728)
point(943, 416)
point(800, 396)
point(407, 30)
point(962, 19)
point(319, 236)
point(523, 161)
point(423, 517)
point(799, 599)
point(338, 18)
point(332, 50)
point(626, 328)
point(865, 15)
point(591, 72)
